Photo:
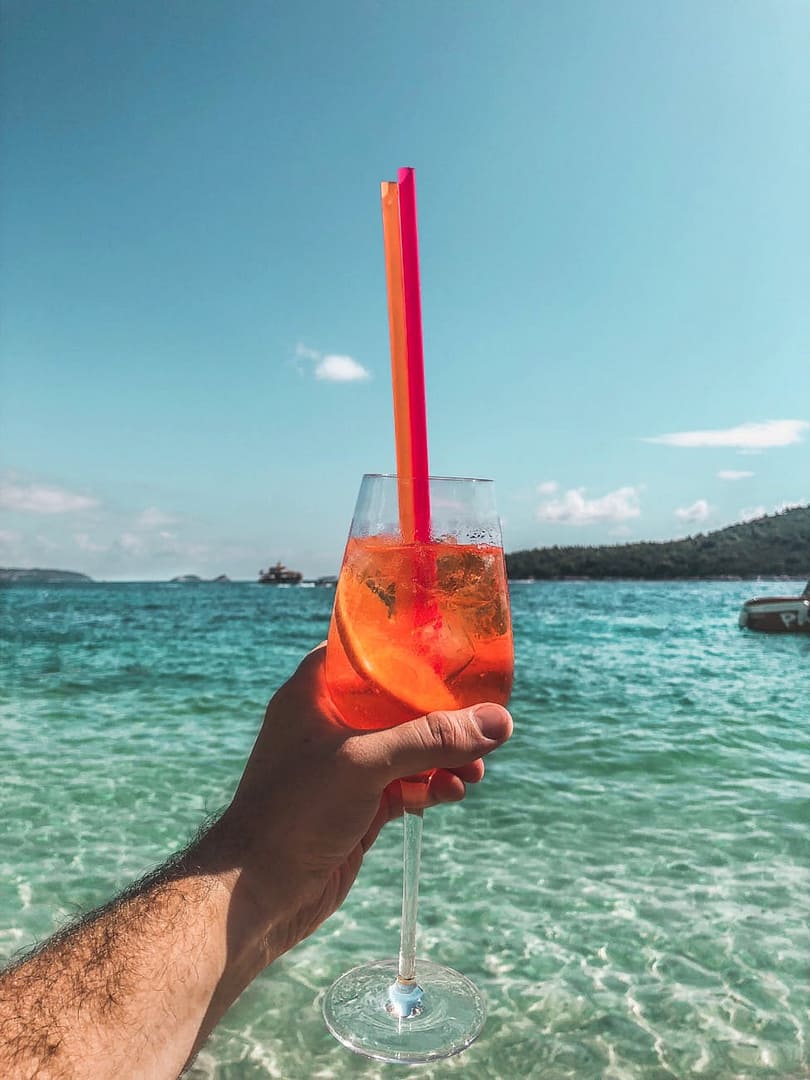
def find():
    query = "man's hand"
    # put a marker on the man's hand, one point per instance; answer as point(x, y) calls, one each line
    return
point(315, 794)
point(136, 987)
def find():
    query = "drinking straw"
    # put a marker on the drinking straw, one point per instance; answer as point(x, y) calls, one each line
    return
point(405, 313)
point(417, 416)
point(389, 196)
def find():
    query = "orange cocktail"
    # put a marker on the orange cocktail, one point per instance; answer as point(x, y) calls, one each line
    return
point(418, 627)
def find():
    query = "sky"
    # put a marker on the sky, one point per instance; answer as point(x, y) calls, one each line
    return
point(614, 232)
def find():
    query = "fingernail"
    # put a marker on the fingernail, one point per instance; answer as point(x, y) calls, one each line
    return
point(490, 720)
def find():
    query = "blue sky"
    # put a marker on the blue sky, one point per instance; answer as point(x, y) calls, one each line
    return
point(615, 248)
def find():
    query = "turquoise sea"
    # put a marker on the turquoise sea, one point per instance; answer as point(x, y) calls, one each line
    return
point(630, 885)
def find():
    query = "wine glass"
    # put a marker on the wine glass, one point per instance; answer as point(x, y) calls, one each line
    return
point(417, 626)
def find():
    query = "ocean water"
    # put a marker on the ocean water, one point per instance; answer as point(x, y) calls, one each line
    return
point(630, 885)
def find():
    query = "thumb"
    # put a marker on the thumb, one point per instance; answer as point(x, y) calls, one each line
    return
point(440, 740)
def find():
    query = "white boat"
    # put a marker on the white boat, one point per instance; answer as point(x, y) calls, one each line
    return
point(778, 614)
point(280, 575)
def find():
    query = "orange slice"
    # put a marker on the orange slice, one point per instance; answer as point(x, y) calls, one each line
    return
point(387, 654)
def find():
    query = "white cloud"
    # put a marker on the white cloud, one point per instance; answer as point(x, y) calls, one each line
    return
point(21, 549)
point(548, 487)
point(130, 542)
point(152, 518)
point(573, 508)
point(749, 436)
point(734, 474)
point(748, 513)
point(147, 547)
point(332, 367)
point(341, 369)
point(85, 543)
point(174, 547)
point(788, 505)
point(698, 511)
point(41, 499)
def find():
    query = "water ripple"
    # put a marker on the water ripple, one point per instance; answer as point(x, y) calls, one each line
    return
point(630, 886)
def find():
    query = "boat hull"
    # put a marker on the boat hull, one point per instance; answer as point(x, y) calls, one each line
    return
point(777, 615)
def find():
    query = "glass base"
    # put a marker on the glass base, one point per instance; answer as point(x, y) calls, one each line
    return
point(361, 1012)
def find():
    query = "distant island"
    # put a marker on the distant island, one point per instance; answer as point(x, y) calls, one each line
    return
point(16, 576)
point(193, 579)
point(777, 545)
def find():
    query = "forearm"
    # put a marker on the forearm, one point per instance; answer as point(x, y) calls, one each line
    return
point(135, 988)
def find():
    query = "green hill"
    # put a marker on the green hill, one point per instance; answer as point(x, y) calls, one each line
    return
point(17, 576)
point(778, 544)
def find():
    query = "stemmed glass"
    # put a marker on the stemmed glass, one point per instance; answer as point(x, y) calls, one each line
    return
point(416, 627)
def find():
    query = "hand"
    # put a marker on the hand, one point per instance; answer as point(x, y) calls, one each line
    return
point(315, 794)
point(134, 988)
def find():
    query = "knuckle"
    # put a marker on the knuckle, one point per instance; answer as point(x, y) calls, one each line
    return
point(445, 730)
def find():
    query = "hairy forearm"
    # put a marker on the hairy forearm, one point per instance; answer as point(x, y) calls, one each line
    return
point(133, 989)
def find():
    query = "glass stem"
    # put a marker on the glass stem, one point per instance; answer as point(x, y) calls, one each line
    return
point(412, 855)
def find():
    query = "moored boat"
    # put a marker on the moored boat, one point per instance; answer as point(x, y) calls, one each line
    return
point(778, 614)
point(279, 575)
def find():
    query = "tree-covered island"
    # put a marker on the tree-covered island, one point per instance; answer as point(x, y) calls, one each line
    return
point(14, 575)
point(774, 545)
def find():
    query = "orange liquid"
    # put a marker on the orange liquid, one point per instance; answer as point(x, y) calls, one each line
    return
point(416, 628)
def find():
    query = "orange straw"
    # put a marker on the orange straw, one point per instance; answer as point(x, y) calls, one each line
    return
point(389, 195)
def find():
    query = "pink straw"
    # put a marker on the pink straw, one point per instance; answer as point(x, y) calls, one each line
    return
point(416, 361)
